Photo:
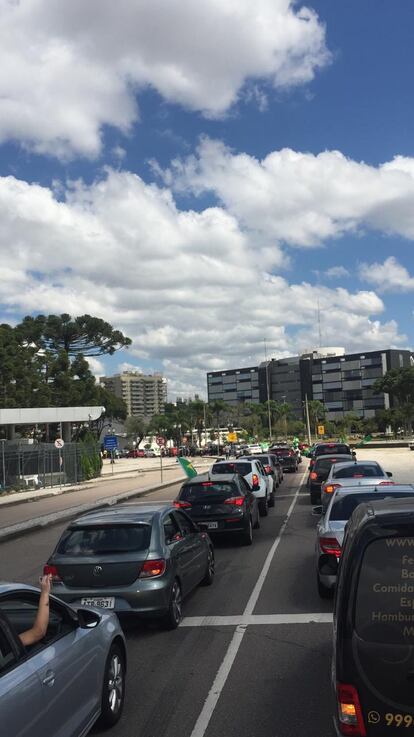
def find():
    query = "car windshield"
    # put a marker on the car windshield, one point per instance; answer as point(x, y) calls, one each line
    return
point(332, 448)
point(208, 489)
point(359, 470)
point(105, 540)
point(222, 468)
point(343, 507)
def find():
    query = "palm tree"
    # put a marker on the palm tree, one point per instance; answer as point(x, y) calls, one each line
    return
point(316, 413)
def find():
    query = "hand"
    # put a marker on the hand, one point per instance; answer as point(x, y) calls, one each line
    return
point(46, 584)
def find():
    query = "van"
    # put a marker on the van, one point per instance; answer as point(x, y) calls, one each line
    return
point(373, 634)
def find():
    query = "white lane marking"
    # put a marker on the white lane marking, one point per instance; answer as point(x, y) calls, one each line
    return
point(214, 694)
point(288, 496)
point(255, 619)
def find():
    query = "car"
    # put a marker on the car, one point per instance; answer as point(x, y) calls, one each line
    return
point(353, 473)
point(330, 449)
point(331, 527)
point(373, 632)
point(132, 559)
point(272, 467)
point(253, 449)
point(254, 473)
point(221, 505)
point(67, 681)
point(286, 456)
point(319, 472)
point(136, 453)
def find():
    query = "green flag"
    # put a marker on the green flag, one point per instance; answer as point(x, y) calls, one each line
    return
point(187, 467)
point(364, 440)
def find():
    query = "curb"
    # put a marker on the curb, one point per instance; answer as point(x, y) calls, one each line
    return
point(37, 523)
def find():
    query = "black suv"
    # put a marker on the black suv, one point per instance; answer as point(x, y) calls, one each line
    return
point(221, 506)
point(287, 457)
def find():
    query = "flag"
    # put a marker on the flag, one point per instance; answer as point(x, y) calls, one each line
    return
point(364, 440)
point(188, 467)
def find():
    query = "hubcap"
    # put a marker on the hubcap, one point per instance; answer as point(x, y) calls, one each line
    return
point(176, 602)
point(115, 684)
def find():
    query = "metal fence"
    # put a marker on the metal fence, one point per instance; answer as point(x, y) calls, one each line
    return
point(42, 465)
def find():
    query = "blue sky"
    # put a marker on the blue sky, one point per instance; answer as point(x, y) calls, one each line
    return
point(193, 173)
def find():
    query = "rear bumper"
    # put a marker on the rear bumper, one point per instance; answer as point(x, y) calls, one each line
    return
point(224, 526)
point(142, 597)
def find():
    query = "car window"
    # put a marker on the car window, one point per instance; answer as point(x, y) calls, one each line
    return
point(244, 485)
point(104, 540)
point(207, 490)
point(20, 611)
point(343, 507)
point(358, 470)
point(7, 657)
point(324, 464)
point(185, 523)
point(332, 448)
point(230, 468)
point(171, 527)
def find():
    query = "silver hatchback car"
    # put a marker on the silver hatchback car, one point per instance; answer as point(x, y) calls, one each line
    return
point(63, 684)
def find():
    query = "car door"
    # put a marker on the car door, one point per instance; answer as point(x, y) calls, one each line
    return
point(68, 668)
point(194, 556)
point(252, 504)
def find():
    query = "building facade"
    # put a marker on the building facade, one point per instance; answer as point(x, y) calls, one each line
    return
point(282, 378)
point(144, 394)
point(235, 386)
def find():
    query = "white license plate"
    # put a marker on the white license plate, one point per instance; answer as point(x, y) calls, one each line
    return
point(103, 602)
point(212, 525)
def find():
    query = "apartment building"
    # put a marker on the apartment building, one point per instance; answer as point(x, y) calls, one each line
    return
point(144, 394)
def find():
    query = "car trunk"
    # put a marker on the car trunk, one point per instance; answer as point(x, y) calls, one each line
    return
point(210, 500)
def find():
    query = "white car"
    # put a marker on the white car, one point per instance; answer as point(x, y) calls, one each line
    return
point(255, 475)
point(355, 474)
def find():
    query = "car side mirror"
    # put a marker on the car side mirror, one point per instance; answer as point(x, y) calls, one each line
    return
point(317, 511)
point(389, 474)
point(87, 619)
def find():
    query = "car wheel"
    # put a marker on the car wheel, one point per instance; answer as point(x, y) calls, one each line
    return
point(113, 689)
point(209, 577)
point(323, 591)
point(263, 507)
point(173, 617)
point(256, 525)
point(272, 499)
point(247, 537)
point(315, 497)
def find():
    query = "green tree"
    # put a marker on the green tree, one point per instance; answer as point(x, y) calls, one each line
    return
point(399, 384)
point(136, 428)
point(316, 414)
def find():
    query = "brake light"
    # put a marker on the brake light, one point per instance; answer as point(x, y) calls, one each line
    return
point(358, 476)
point(51, 571)
point(311, 463)
point(182, 505)
point(152, 568)
point(330, 488)
point(386, 483)
point(313, 475)
point(351, 721)
point(207, 483)
point(330, 546)
point(236, 501)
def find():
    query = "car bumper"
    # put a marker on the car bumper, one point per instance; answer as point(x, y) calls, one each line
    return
point(224, 526)
point(142, 597)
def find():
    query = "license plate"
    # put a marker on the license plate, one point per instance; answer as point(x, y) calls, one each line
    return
point(103, 602)
point(212, 525)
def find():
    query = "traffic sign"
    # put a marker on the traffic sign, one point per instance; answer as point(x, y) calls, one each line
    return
point(110, 442)
point(160, 440)
point(321, 429)
point(232, 437)
point(59, 443)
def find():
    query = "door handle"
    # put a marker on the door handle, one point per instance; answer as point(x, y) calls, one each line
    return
point(49, 679)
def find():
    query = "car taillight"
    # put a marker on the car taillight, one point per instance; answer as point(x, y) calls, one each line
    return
point(330, 488)
point(386, 483)
point(182, 505)
point(152, 568)
point(236, 501)
point(330, 546)
point(51, 571)
point(351, 721)
point(313, 475)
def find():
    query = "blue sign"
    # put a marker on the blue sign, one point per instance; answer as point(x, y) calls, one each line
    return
point(110, 442)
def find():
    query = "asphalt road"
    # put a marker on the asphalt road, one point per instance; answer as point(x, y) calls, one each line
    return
point(252, 656)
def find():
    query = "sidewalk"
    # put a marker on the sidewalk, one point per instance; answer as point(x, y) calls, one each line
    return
point(38, 509)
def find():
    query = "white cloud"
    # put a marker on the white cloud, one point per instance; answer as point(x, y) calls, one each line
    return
point(96, 367)
point(336, 272)
point(193, 289)
point(301, 198)
point(389, 276)
point(67, 69)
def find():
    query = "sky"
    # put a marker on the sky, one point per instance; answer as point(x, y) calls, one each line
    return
point(206, 175)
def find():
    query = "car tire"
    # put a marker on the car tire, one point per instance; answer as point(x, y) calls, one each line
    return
point(256, 525)
point(174, 613)
point(247, 537)
point(272, 499)
point(113, 688)
point(323, 591)
point(264, 507)
point(315, 497)
point(209, 577)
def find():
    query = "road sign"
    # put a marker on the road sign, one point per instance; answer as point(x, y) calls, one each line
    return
point(232, 437)
point(321, 429)
point(160, 440)
point(110, 442)
point(59, 443)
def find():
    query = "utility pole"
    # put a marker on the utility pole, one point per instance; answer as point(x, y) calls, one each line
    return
point(307, 420)
point(269, 414)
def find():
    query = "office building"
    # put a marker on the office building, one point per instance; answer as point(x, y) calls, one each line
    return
point(237, 386)
point(282, 377)
point(144, 395)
